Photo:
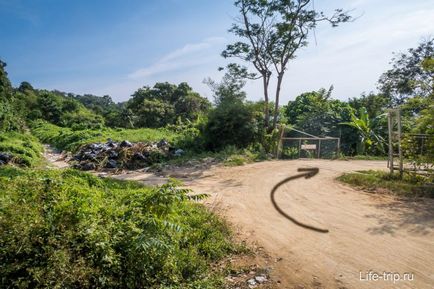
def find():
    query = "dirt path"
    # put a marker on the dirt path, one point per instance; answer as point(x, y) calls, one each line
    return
point(367, 232)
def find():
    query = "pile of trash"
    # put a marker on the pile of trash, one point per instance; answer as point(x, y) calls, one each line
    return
point(5, 158)
point(120, 155)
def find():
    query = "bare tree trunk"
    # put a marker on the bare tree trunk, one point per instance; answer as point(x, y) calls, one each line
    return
point(276, 105)
point(266, 79)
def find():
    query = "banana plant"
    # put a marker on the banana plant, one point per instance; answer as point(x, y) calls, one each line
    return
point(368, 138)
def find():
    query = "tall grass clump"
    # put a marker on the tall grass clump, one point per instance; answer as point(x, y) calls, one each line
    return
point(71, 140)
point(23, 147)
point(67, 229)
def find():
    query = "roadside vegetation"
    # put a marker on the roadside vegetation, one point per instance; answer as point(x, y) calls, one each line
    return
point(75, 230)
point(70, 140)
point(21, 149)
point(383, 182)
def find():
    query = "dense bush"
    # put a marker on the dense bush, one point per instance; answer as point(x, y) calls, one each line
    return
point(10, 118)
point(82, 119)
point(231, 123)
point(164, 103)
point(74, 230)
point(24, 148)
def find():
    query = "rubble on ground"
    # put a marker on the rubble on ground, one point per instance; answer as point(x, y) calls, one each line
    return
point(121, 155)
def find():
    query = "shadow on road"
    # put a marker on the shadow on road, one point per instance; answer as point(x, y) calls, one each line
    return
point(413, 216)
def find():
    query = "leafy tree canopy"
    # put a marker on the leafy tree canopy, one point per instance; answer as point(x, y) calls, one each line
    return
point(412, 73)
point(166, 102)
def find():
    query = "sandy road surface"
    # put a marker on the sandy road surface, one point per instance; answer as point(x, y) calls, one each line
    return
point(367, 232)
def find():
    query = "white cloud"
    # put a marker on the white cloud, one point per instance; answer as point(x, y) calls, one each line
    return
point(352, 57)
point(190, 55)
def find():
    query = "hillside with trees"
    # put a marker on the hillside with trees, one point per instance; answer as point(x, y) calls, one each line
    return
point(72, 229)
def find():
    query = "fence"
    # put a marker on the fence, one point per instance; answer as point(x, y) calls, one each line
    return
point(306, 145)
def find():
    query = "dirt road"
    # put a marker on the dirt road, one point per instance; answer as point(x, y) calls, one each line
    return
point(367, 232)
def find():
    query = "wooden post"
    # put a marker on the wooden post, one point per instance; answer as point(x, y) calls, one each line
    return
point(319, 148)
point(339, 147)
point(401, 168)
point(279, 145)
point(299, 148)
point(390, 126)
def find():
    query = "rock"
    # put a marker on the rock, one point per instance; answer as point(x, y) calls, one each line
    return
point(162, 143)
point(111, 164)
point(261, 279)
point(179, 152)
point(87, 166)
point(5, 157)
point(2, 163)
point(252, 283)
point(125, 144)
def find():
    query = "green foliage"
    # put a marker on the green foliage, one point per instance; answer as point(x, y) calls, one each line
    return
point(164, 104)
point(190, 134)
point(82, 119)
point(50, 106)
point(5, 84)
point(289, 153)
point(25, 149)
point(67, 139)
point(101, 105)
point(231, 123)
point(230, 88)
point(10, 118)
point(74, 230)
point(154, 113)
point(271, 33)
point(375, 104)
point(369, 140)
point(316, 113)
point(411, 74)
point(409, 186)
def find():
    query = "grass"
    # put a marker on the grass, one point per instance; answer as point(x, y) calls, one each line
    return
point(363, 157)
point(376, 181)
point(70, 140)
point(25, 149)
point(74, 230)
point(230, 156)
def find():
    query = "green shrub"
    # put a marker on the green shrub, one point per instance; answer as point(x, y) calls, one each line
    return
point(25, 149)
point(231, 123)
point(67, 229)
point(290, 153)
point(82, 119)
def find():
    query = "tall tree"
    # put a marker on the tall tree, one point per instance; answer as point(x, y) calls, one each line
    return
point(273, 31)
point(254, 28)
point(412, 73)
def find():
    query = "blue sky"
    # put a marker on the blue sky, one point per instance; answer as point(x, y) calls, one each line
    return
point(114, 47)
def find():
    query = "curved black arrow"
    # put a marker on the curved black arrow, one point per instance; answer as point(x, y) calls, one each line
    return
point(310, 172)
